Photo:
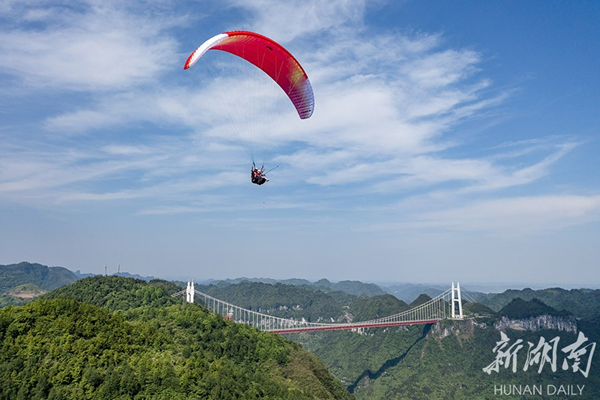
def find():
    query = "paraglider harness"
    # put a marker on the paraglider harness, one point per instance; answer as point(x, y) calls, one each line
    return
point(258, 175)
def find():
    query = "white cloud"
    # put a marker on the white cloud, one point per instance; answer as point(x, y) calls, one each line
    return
point(124, 150)
point(506, 177)
point(34, 172)
point(515, 216)
point(84, 120)
point(442, 68)
point(286, 20)
point(85, 46)
point(386, 105)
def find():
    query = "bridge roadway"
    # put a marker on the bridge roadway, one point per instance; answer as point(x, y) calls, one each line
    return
point(358, 325)
point(447, 305)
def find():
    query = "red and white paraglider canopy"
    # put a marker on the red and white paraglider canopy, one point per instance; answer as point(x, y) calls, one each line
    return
point(271, 58)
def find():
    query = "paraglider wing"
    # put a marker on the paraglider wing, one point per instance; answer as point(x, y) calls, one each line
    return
point(271, 58)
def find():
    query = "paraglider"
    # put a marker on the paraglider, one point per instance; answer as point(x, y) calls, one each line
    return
point(271, 58)
point(258, 176)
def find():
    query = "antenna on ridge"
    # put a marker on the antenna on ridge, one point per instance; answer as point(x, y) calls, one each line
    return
point(105, 270)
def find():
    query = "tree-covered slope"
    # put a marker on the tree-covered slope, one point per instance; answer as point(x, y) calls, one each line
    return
point(446, 360)
point(119, 293)
point(47, 278)
point(355, 288)
point(519, 308)
point(364, 309)
point(421, 299)
point(477, 310)
point(351, 287)
point(19, 283)
point(409, 291)
point(282, 300)
point(580, 302)
point(64, 347)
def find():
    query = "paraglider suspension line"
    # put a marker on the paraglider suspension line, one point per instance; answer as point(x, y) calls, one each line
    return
point(271, 169)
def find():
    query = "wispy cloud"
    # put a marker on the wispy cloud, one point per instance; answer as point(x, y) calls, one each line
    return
point(84, 46)
point(387, 107)
point(515, 216)
point(291, 19)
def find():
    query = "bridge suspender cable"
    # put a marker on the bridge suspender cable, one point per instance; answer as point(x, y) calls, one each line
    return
point(446, 305)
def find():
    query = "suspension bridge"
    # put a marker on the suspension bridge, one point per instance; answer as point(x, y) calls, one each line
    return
point(446, 305)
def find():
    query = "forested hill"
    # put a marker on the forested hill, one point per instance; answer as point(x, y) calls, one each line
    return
point(47, 278)
point(19, 283)
point(445, 360)
point(351, 287)
point(580, 302)
point(119, 293)
point(519, 309)
point(114, 337)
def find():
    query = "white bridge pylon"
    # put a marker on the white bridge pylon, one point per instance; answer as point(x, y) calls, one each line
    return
point(446, 305)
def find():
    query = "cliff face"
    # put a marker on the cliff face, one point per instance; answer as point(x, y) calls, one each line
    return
point(466, 327)
point(541, 322)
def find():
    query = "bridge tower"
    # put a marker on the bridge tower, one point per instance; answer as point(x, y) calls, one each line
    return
point(189, 292)
point(456, 302)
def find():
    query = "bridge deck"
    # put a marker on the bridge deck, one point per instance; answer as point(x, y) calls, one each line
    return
point(443, 306)
point(351, 326)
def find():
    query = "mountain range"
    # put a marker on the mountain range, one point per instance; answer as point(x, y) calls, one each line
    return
point(549, 336)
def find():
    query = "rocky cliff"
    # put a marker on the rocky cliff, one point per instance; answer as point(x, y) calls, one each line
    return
point(541, 322)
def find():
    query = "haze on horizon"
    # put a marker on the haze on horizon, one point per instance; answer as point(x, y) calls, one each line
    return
point(451, 141)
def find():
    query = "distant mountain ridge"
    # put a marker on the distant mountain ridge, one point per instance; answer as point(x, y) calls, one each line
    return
point(47, 278)
point(574, 300)
point(577, 301)
point(408, 292)
point(400, 362)
point(22, 282)
point(351, 287)
point(519, 309)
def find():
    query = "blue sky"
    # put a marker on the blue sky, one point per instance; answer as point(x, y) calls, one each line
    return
point(451, 141)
